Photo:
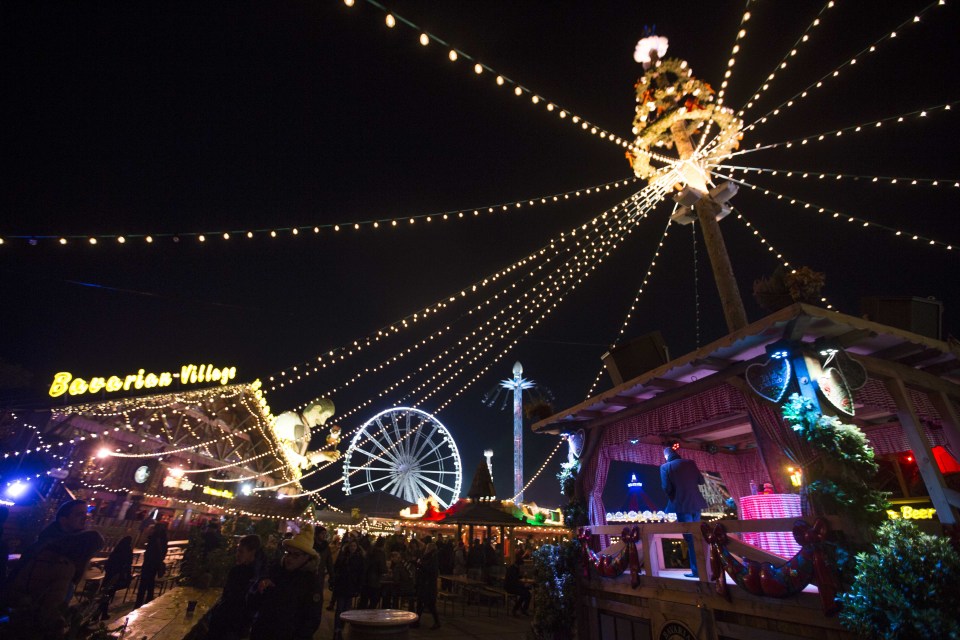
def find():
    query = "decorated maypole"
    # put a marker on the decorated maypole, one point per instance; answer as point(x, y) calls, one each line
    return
point(672, 107)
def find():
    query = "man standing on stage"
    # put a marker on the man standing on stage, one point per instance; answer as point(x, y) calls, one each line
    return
point(680, 479)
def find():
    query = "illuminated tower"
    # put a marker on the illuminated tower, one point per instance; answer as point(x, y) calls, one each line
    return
point(517, 384)
point(488, 454)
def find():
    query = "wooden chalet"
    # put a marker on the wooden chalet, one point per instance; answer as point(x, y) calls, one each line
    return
point(908, 406)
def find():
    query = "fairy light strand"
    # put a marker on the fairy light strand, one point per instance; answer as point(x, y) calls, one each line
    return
point(854, 128)
point(741, 34)
point(871, 48)
point(821, 175)
point(100, 240)
point(791, 52)
point(837, 215)
point(754, 231)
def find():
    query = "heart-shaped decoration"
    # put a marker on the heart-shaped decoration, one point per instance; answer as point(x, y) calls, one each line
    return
point(770, 379)
point(854, 373)
point(834, 388)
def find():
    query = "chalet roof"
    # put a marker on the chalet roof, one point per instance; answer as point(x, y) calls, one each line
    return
point(481, 513)
point(482, 485)
point(376, 504)
point(920, 361)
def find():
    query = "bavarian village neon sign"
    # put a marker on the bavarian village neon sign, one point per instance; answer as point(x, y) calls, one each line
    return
point(65, 383)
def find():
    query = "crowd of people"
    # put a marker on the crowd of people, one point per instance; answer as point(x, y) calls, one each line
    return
point(268, 594)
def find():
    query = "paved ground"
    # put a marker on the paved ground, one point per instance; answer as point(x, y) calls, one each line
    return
point(165, 619)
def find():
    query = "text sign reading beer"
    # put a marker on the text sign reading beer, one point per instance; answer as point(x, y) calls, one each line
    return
point(64, 382)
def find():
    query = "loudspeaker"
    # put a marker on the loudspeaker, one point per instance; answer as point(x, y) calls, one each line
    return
point(918, 315)
point(636, 357)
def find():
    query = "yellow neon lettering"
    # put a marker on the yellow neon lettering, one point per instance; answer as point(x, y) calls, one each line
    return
point(114, 383)
point(129, 380)
point(77, 387)
point(59, 385)
point(165, 379)
point(150, 381)
point(139, 382)
point(185, 372)
point(96, 384)
point(215, 374)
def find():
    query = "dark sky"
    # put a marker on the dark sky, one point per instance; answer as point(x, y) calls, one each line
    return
point(186, 117)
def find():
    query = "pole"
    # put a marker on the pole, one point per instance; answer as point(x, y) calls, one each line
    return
point(517, 434)
point(707, 210)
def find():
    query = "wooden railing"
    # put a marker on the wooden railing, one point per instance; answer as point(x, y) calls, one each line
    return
point(652, 533)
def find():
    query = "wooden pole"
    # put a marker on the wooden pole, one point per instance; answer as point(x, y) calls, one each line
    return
point(707, 210)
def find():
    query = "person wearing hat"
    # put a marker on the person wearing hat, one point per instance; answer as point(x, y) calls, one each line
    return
point(288, 601)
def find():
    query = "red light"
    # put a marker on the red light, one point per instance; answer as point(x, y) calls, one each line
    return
point(909, 458)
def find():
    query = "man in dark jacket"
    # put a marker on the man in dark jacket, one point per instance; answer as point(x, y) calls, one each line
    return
point(230, 618)
point(347, 579)
point(681, 480)
point(373, 576)
point(289, 600)
point(325, 556)
point(428, 569)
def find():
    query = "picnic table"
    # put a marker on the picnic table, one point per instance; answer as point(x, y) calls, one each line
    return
point(366, 624)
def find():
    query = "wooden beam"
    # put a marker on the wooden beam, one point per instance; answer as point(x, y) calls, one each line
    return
point(919, 358)
point(623, 401)
point(898, 351)
point(663, 383)
point(715, 364)
point(949, 418)
point(911, 377)
point(932, 477)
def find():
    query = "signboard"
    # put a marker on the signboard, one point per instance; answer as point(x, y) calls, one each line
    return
point(65, 382)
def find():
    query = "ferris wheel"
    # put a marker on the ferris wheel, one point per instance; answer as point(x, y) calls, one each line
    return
point(406, 452)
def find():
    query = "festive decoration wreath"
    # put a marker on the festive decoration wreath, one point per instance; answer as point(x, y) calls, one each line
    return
point(668, 93)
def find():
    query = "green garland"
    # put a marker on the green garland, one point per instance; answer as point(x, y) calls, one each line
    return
point(556, 596)
point(837, 478)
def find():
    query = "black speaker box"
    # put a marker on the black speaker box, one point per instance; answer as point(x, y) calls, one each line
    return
point(631, 359)
point(918, 315)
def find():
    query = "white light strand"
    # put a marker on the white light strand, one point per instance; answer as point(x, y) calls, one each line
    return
point(771, 249)
point(836, 215)
point(519, 90)
point(636, 299)
point(791, 52)
point(854, 128)
point(315, 229)
point(821, 175)
point(741, 34)
point(303, 370)
point(836, 71)
point(540, 470)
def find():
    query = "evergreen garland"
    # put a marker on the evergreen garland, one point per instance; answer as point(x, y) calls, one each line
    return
point(838, 478)
point(555, 599)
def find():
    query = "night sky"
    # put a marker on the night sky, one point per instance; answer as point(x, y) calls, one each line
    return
point(184, 117)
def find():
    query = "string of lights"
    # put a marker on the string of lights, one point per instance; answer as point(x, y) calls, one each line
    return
point(855, 128)
point(636, 298)
point(770, 248)
point(804, 37)
point(871, 48)
point(540, 470)
point(663, 189)
point(454, 54)
point(576, 265)
point(821, 175)
point(552, 244)
point(276, 232)
point(696, 286)
point(836, 215)
point(741, 34)
point(304, 369)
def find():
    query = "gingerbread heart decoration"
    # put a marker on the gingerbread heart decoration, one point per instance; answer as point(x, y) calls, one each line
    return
point(854, 373)
point(770, 379)
point(834, 388)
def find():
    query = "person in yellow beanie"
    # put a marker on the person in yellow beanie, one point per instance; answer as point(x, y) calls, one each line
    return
point(288, 600)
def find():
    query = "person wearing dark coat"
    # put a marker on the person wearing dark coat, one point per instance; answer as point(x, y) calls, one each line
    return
point(373, 576)
point(445, 555)
point(230, 617)
point(428, 570)
point(475, 560)
point(153, 567)
point(325, 555)
point(514, 586)
point(681, 480)
point(347, 579)
point(288, 601)
point(116, 573)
